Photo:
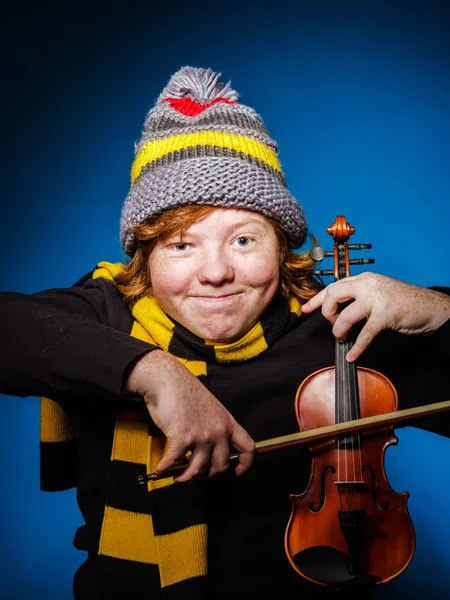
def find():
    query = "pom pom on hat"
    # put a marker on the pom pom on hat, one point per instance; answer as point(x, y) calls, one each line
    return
point(200, 146)
point(201, 85)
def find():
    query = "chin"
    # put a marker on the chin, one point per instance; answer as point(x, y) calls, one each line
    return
point(223, 337)
point(217, 331)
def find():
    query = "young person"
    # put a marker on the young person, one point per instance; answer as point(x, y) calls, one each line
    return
point(196, 346)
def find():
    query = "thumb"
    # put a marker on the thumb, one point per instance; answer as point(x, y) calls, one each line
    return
point(245, 446)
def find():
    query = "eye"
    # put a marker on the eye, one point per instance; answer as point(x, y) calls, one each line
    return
point(180, 247)
point(243, 241)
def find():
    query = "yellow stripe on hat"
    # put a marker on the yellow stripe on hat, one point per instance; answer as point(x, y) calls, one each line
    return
point(151, 151)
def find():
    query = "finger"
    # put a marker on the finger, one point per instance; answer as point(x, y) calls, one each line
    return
point(220, 459)
point(366, 335)
point(340, 290)
point(315, 302)
point(245, 462)
point(175, 455)
point(198, 466)
point(351, 314)
point(337, 294)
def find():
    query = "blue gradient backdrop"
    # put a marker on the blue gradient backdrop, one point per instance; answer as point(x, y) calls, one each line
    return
point(357, 95)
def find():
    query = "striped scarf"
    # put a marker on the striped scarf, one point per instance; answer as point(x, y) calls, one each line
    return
point(160, 526)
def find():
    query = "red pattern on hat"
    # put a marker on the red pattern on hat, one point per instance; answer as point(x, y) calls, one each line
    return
point(191, 108)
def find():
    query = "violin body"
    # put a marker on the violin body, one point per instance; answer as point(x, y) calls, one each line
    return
point(348, 482)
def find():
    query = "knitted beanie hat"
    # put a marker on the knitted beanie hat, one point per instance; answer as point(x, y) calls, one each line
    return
point(200, 146)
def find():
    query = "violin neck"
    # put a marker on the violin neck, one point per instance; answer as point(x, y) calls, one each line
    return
point(347, 396)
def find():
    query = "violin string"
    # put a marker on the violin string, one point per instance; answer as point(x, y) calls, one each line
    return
point(350, 401)
point(343, 411)
point(346, 417)
point(360, 441)
point(338, 400)
point(356, 415)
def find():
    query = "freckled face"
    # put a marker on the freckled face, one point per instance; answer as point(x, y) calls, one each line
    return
point(221, 277)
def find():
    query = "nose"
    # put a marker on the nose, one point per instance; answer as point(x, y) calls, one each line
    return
point(215, 268)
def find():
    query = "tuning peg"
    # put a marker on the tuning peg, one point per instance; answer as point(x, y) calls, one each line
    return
point(323, 273)
point(317, 253)
point(359, 246)
point(362, 261)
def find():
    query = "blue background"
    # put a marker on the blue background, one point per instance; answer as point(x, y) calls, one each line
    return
point(357, 96)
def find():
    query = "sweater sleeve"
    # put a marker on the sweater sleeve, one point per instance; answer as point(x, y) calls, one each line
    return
point(433, 385)
point(67, 342)
point(419, 368)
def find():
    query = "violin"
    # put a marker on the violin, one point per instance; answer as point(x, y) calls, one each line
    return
point(349, 527)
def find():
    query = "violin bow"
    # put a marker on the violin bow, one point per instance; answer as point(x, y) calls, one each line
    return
point(321, 434)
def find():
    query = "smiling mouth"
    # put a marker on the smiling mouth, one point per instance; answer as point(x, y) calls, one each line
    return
point(222, 298)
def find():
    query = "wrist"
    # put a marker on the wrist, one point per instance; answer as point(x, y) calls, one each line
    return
point(143, 374)
point(154, 375)
point(440, 309)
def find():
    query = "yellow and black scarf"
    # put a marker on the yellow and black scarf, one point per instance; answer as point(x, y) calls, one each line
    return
point(160, 525)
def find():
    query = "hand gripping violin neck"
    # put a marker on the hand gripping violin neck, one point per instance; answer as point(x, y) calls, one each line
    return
point(348, 528)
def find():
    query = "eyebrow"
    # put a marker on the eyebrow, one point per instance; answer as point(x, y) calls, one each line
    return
point(230, 228)
point(248, 221)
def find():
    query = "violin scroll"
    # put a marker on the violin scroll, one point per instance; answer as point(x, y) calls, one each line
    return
point(340, 231)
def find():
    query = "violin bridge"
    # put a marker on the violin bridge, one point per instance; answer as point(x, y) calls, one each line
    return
point(353, 485)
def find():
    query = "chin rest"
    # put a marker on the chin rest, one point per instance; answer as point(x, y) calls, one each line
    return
point(329, 566)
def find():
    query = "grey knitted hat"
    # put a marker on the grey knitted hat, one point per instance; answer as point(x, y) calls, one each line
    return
point(200, 146)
